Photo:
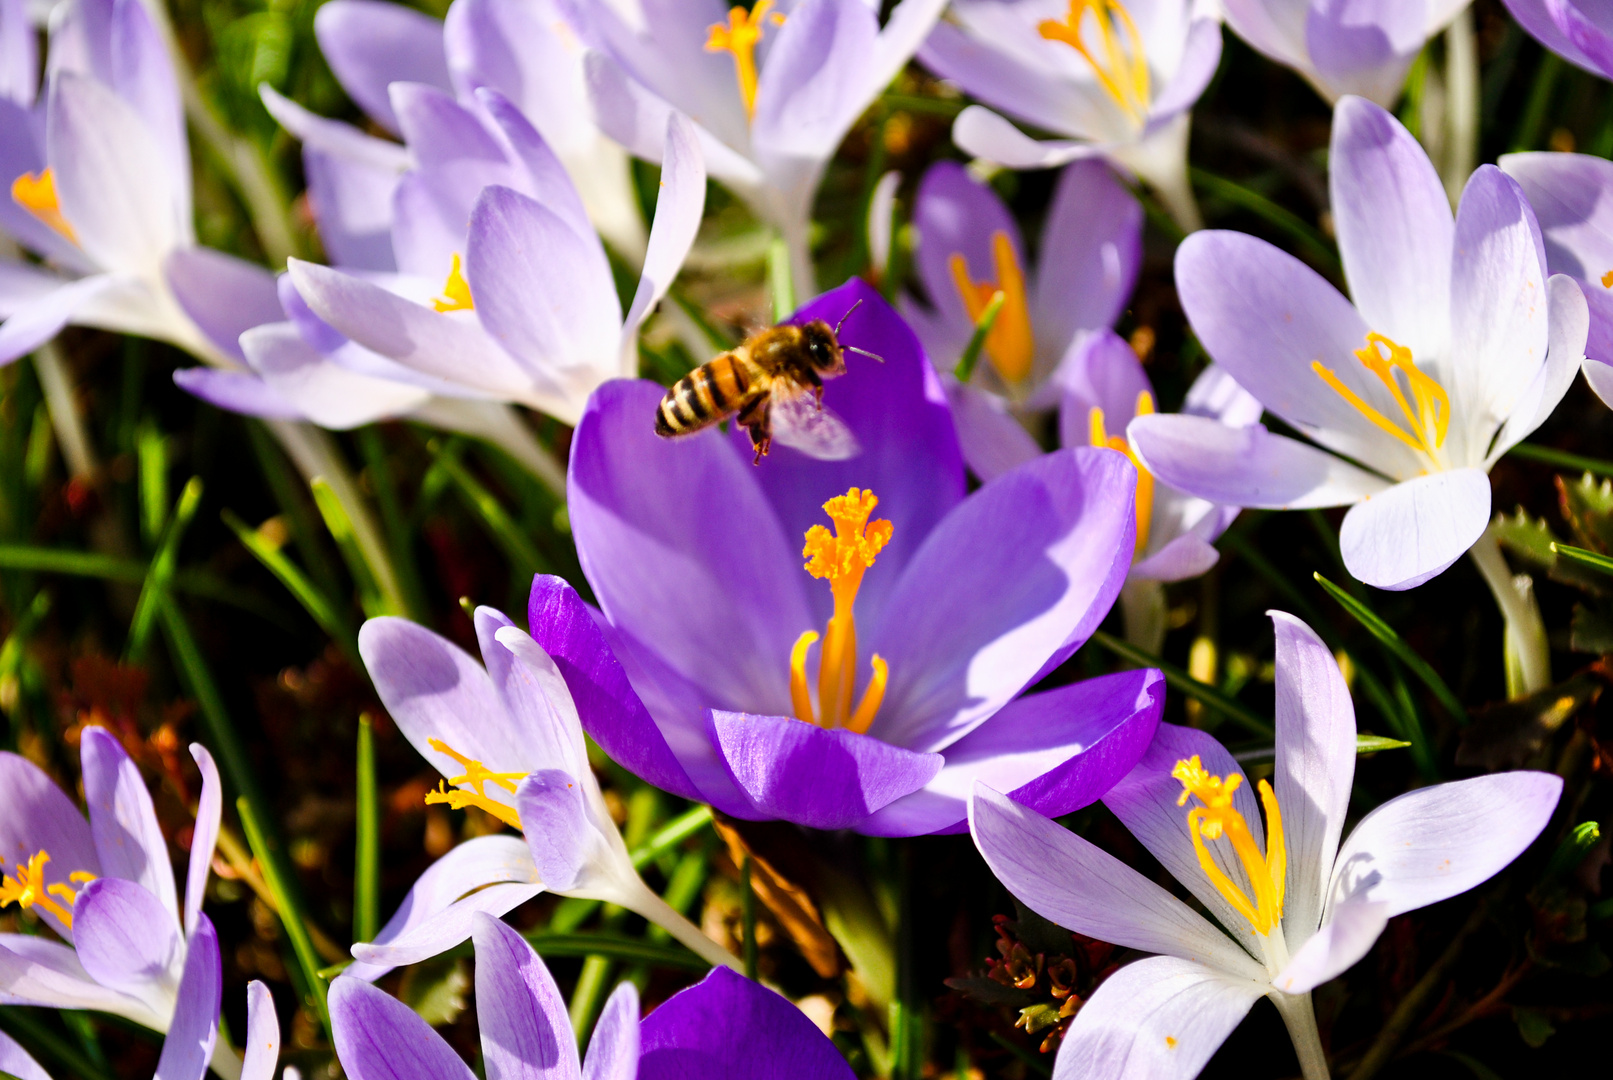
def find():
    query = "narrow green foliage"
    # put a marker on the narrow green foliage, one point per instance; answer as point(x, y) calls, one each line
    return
point(977, 340)
point(1396, 644)
point(340, 525)
point(779, 282)
point(367, 841)
point(1572, 851)
point(671, 835)
point(501, 526)
point(276, 876)
point(27, 1025)
point(151, 448)
point(319, 606)
point(1580, 556)
point(1307, 236)
point(159, 575)
point(1548, 456)
point(1183, 682)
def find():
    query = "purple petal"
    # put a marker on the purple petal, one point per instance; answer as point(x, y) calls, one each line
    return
point(1246, 466)
point(814, 82)
point(1568, 333)
point(194, 1031)
point(823, 779)
point(1201, 55)
point(370, 44)
point(38, 816)
point(1031, 564)
point(1437, 842)
point(204, 837)
point(679, 205)
point(727, 1026)
point(955, 214)
point(22, 150)
point(319, 389)
point(1032, 93)
point(1315, 766)
point(128, 838)
point(1539, 17)
point(992, 440)
point(137, 67)
point(1216, 394)
point(607, 705)
point(528, 54)
point(438, 932)
point(224, 296)
point(352, 207)
point(125, 939)
point(1348, 936)
point(19, 81)
point(1599, 377)
point(378, 1037)
point(14, 1060)
point(1401, 537)
point(261, 1051)
point(983, 133)
point(40, 321)
point(1365, 46)
point(563, 840)
point(1157, 1019)
point(534, 694)
point(613, 1048)
point(1587, 33)
point(1394, 228)
point(1073, 882)
point(551, 185)
point(1179, 559)
point(1100, 372)
point(236, 391)
point(1053, 752)
point(1572, 197)
point(38, 971)
point(526, 1032)
point(339, 140)
point(1091, 251)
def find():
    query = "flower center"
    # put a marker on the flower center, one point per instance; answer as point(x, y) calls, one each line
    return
point(36, 193)
point(1098, 436)
point(1217, 818)
point(1123, 71)
point(476, 775)
point(28, 888)
point(841, 556)
point(740, 38)
point(1427, 422)
point(1011, 344)
point(455, 291)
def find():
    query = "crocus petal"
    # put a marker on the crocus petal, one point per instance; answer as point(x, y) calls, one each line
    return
point(19, 81)
point(1032, 563)
point(1246, 466)
point(1352, 927)
point(261, 1051)
point(526, 1032)
point(1572, 197)
point(679, 204)
point(37, 971)
point(204, 837)
point(1400, 538)
point(40, 817)
point(1081, 887)
point(194, 1031)
point(125, 938)
point(224, 296)
point(607, 705)
point(1031, 92)
point(812, 85)
point(613, 1048)
point(983, 133)
point(1599, 377)
point(551, 185)
point(823, 779)
point(1541, 19)
point(15, 1061)
point(1365, 46)
point(1314, 769)
point(370, 45)
point(955, 214)
point(1101, 371)
point(1588, 33)
point(378, 1037)
point(1570, 324)
point(23, 284)
point(1394, 226)
point(1436, 842)
point(1053, 752)
point(1201, 55)
point(318, 388)
point(1157, 1019)
point(236, 391)
point(333, 137)
point(1216, 394)
point(727, 1026)
point(567, 847)
point(501, 863)
point(128, 838)
point(22, 150)
point(40, 321)
point(992, 440)
point(534, 694)
point(352, 203)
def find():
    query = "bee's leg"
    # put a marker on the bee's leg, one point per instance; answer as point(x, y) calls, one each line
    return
point(817, 388)
point(754, 419)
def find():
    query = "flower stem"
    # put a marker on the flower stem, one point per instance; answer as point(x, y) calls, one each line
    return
point(1142, 606)
point(1300, 1018)
point(1528, 658)
point(62, 403)
point(642, 900)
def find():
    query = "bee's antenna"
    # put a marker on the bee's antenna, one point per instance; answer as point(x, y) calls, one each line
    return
point(863, 352)
point(846, 316)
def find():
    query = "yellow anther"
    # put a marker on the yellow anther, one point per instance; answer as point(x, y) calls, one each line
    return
point(476, 775)
point(1428, 421)
point(36, 193)
point(1607, 280)
point(840, 556)
point(1097, 435)
point(28, 888)
point(455, 291)
point(1011, 345)
point(1123, 71)
point(740, 37)
point(1216, 817)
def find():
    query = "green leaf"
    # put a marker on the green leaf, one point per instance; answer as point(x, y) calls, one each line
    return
point(341, 530)
point(671, 835)
point(1397, 645)
point(367, 842)
point(779, 282)
point(1371, 744)
point(1528, 538)
point(1187, 684)
point(160, 572)
point(616, 947)
point(435, 989)
point(292, 918)
point(266, 549)
point(977, 340)
point(505, 531)
point(1534, 1027)
point(1580, 556)
point(1547, 456)
point(1587, 506)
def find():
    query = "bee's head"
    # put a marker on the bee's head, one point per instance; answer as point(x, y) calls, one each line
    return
point(822, 348)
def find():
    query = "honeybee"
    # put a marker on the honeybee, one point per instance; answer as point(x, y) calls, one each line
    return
point(772, 385)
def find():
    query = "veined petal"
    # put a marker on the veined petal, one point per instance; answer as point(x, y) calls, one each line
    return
point(568, 848)
point(371, 45)
point(38, 816)
point(334, 137)
point(260, 1053)
point(1544, 21)
point(194, 1030)
point(128, 838)
point(956, 214)
point(983, 133)
point(679, 204)
point(1101, 371)
point(1570, 326)
point(224, 296)
point(38, 971)
point(204, 837)
point(992, 440)
point(125, 939)
point(1090, 255)
point(1413, 531)
point(526, 1033)
point(317, 388)
point(1033, 92)
point(816, 78)
point(1366, 46)
point(378, 1037)
point(613, 1049)
point(1352, 927)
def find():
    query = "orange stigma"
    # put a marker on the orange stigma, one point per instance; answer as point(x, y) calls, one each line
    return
point(455, 291)
point(740, 37)
point(841, 556)
point(36, 193)
point(28, 888)
point(1123, 71)
point(1215, 818)
point(476, 775)
point(1098, 436)
point(1428, 414)
point(1011, 345)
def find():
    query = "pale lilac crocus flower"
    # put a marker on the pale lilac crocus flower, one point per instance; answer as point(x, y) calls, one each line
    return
point(724, 1028)
point(1342, 48)
point(772, 90)
point(1295, 907)
point(508, 740)
point(105, 887)
point(96, 182)
point(1112, 78)
point(1580, 31)
point(15, 1061)
point(1456, 347)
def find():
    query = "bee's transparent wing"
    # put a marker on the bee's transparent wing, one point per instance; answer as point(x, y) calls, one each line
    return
point(798, 422)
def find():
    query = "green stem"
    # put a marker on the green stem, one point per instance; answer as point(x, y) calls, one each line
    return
point(367, 845)
point(1300, 1018)
point(65, 415)
point(1185, 683)
point(1528, 656)
point(779, 279)
point(1548, 456)
point(276, 876)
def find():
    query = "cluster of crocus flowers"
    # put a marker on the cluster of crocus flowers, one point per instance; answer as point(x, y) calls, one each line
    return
point(1113, 78)
point(1295, 905)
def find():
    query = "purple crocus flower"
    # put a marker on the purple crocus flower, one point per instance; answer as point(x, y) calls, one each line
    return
point(105, 887)
point(1580, 31)
point(508, 740)
point(15, 1061)
point(772, 90)
point(1114, 78)
point(936, 616)
point(969, 247)
point(1296, 907)
point(98, 176)
point(1455, 348)
point(1343, 48)
point(723, 1028)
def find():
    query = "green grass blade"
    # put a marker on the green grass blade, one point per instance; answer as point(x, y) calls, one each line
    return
point(977, 340)
point(779, 282)
point(151, 449)
point(290, 912)
point(1397, 645)
point(319, 606)
point(505, 531)
point(1284, 220)
point(24, 1025)
point(671, 835)
point(341, 530)
point(1562, 459)
point(76, 563)
point(1180, 680)
point(160, 572)
point(395, 522)
point(367, 845)
point(1589, 559)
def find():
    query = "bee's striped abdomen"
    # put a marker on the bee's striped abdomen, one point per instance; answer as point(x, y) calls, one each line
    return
point(703, 397)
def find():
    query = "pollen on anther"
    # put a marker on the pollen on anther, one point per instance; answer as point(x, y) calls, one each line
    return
point(855, 542)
